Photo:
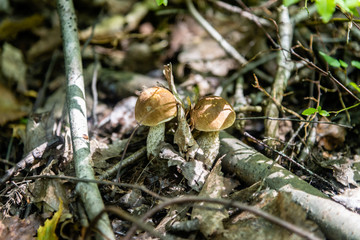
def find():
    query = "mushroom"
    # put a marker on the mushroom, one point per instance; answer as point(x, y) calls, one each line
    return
point(153, 108)
point(210, 115)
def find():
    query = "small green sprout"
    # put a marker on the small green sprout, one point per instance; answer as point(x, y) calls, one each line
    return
point(311, 111)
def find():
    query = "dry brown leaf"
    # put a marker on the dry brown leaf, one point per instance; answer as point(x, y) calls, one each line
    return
point(210, 215)
point(193, 171)
point(10, 28)
point(330, 136)
point(46, 193)
point(100, 152)
point(284, 128)
point(10, 108)
point(13, 66)
point(207, 56)
point(106, 31)
point(49, 40)
point(14, 228)
point(183, 33)
point(39, 129)
point(124, 115)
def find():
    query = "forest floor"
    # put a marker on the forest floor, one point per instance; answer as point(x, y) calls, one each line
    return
point(292, 80)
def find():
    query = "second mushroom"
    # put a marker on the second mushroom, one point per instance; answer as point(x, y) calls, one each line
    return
point(154, 107)
point(210, 115)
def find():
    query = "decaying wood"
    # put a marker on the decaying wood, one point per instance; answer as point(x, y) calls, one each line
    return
point(251, 166)
point(30, 159)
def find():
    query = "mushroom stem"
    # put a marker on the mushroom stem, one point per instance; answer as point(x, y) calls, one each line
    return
point(155, 136)
point(210, 144)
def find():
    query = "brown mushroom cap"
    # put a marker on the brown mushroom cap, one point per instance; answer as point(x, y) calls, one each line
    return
point(154, 106)
point(212, 113)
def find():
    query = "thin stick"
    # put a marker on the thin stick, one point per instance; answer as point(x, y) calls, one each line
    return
point(126, 216)
point(290, 159)
point(293, 120)
point(215, 34)
point(94, 88)
point(275, 101)
point(227, 203)
point(102, 182)
point(41, 94)
point(123, 163)
point(250, 16)
point(326, 74)
point(29, 159)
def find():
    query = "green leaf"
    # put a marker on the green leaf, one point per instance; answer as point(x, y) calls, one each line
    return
point(343, 5)
point(354, 85)
point(290, 2)
point(319, 108)
point(309, 111)
point(330, 60)
point(343, 64)
point(164, 2)
point(325, 8)
point(352, 3)
point(324, 113)
point(355, 64)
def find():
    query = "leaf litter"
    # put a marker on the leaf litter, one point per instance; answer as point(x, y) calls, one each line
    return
point(133, 43)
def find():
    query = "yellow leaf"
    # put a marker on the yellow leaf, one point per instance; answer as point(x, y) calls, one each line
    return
point(47, 232)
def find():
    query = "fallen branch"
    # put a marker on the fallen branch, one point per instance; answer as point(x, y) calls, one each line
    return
point(89, 192)
point(250, 166)
point(29, 159)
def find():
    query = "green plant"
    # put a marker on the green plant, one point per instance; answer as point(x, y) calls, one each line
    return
point(162, 2)
point(311, 111)
point(337, 63)
point(326, 8)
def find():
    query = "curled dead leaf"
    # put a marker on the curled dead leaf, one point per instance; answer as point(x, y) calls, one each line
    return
point(330, 136)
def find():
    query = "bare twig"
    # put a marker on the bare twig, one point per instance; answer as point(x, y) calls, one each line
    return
point(41, 94)
point(227, 203)
point(215, 34)
point(119, 165)
point(285, 66)
point(258, 23)
point(123, 163)
point(303, 14)
point(126, 216)
point(294, 120)
point(324, 73)
point(275, 101)
point(250, 16)
point(102, 182)
point(311, 138)
point(291, 160)
point(76, 105)
point(94, 88)
point(30, 159)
